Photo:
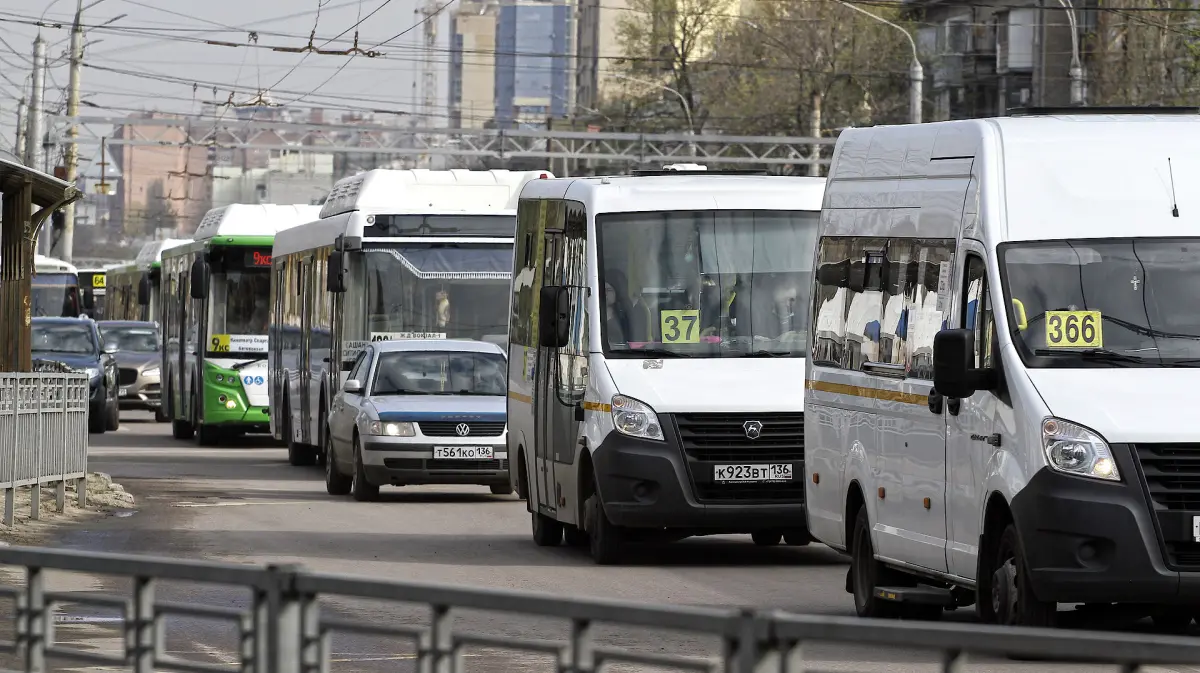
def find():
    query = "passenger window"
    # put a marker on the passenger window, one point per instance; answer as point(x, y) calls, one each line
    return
point(927, 293)
point(829, 302)
point(864, 302)
point(572, 364)
point(528, 221)
point(977, 311)
point(893, 327)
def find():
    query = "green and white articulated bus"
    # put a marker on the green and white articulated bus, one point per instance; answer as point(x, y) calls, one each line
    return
point(134, 288)
point(216, 307)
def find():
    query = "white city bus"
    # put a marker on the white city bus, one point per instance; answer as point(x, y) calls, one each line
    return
point(216, 296)
point(55, 288)
point(396, 254)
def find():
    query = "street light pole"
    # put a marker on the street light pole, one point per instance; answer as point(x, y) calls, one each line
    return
point(71, 159)
point(916, 74)
point(1076, 70)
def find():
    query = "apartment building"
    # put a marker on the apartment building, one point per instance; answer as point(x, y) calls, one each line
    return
point(473, 63)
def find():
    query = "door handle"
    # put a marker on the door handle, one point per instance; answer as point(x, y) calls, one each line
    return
point(936, 401)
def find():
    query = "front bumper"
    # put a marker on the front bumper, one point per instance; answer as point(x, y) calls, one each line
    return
point(239, 419)
point(401, 461)
point(652, 484)
point(138, 391)
point(1088, 541)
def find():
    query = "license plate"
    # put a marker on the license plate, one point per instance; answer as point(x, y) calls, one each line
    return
point(462, 452)
point(742, 473)
point(1196, 528)
point(124, 392)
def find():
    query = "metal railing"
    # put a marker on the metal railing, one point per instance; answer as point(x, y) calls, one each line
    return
point(284, 628)
point(43, 437)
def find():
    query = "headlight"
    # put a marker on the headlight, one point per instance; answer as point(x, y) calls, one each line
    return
point(391, 429)
point(93, 372)
point(635, 418)
point(151, 372)
point(1074, 449)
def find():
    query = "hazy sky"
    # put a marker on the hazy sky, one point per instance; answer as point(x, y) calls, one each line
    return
point(133, 62)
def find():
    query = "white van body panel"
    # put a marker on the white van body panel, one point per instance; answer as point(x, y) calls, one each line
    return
point(683, 386)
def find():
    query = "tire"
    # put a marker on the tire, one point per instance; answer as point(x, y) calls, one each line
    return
point(502, 489)
point(182, 429)
point(866, 572)
point(605, 541)
point(547, 532)
point(160, 414)
point(360, 488)
point(766, 538)
point(322, 421)
point(208, 435)
point(299, 455)
point(1012, 601)
point(336, 483)
point(97, 423)
point(113, 422)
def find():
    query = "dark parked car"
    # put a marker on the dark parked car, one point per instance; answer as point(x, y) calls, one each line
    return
point(75, 342)
point(139, 359)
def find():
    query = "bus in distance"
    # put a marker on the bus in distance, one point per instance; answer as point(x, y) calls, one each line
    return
point(134, 286)
point(396, 254)
point(215, 296)
point(92, 285)
point(55, 288)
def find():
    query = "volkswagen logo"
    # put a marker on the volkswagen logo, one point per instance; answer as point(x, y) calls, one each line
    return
point(462, 429)
point(753, 429)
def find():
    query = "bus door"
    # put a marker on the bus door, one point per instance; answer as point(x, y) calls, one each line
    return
point(305, 366)
point(545, 401)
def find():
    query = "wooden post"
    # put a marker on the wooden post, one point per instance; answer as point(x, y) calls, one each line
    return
point(16, 282)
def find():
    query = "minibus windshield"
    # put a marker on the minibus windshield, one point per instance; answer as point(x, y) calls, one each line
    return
point(714, 283)
point(1104, 303)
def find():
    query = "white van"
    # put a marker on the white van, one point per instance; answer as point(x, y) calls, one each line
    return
point(1038, 454)
point(658, 330)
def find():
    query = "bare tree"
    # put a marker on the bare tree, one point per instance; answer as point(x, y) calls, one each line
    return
point(1139, 56)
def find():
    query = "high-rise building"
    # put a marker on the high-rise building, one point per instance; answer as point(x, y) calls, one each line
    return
point(473, 63)
point(597, 50)
point(533, 62)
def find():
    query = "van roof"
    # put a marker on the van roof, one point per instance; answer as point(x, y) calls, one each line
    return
point(683, 191)
point(1045, 177)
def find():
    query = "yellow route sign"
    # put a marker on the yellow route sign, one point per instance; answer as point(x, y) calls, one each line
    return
point(680, 327)
point(1074, 329)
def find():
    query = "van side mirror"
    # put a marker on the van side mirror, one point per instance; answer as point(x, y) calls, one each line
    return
point(199, 279)
point(143, 297)
point(336, 280)
point(554, 317)
point(954, 373)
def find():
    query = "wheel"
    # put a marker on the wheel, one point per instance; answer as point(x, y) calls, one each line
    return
point(1172, 620)
point(336, 483)
point(1012, 600)
point(865, 572)
point(360, 488)
point(160, 414)
point(502, 489)
point(766, 538)
point(574, 536)
point(299, 455)
point(797, 538)
point(97, 423)
point(113, 422)
point(547, 532)
point(322, 450)
point(182, 429)
point(605, 540)
point(208, 435)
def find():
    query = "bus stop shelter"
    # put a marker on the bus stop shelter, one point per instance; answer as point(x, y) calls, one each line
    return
point(28, 199)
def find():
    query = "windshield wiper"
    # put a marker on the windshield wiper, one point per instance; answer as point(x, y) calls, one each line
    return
point(1097, 355)
point(660, 352)
point(766, 354)
point(242, 365)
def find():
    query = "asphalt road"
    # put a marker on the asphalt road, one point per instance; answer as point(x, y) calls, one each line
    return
point(245, 504)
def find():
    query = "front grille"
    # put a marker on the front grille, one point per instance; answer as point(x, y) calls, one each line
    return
point(1183, 554)
point(127, 376)
point(444, 465)
point(711, 439)
point(450, 428)
point(1172, 473)
point(721, 437)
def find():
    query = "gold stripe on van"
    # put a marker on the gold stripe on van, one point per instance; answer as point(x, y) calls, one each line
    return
point(870, 393)
point(598, 406)
point(520, 398)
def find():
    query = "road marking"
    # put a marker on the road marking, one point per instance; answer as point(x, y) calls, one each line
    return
point(240, 503)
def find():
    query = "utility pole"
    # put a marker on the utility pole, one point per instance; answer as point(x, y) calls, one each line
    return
point(20, 146)
point(33, 126)
point(67, 240)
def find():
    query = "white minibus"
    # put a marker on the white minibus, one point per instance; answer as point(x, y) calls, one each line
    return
point(658, 333)
point(1005, 342)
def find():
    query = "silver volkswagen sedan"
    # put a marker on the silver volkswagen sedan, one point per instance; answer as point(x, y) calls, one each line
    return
point(419, 412)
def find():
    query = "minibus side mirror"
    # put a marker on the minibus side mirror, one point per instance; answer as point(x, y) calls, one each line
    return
point(336, 280)
point(199, 279)
point(143, 297)
point(954, 373)
point(554, 317)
